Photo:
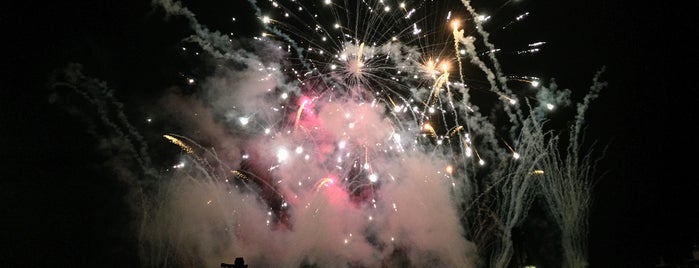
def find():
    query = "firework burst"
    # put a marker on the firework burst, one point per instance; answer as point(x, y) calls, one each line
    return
point(348, 137)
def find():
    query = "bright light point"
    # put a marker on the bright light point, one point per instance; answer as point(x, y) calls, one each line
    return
point(402, 5)
point(337, 25)
point(431, 110)
point(481, 162)
point(387, 9)
point(299, 150)
point(282, 155)
point(246, 156)
point(342, 144)
point(327, 2)
point(267, 130)
point(515, 155)
point(366, 165)
point(373, 177)
point(535, 83)
point(333, 67)
point(396, 137)
point(513, 101)
point(149, 120)
point(538, 172)
point(550, 106)
point(429, 67)
point(266, 19)
point(190, 81)
point(462, 52)
point(306, 157)
point(450, 169)
point(244, 120)
point(284, 95)
point(416, 30)
point(455, 24)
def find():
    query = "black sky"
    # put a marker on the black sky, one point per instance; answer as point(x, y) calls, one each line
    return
point(56, 210)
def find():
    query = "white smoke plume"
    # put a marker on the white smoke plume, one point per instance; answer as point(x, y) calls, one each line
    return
point(372, 158)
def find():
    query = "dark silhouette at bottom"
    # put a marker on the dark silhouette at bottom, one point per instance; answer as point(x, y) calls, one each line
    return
point(238, 263)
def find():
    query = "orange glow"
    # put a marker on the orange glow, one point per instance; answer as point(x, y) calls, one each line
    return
point(455, 24)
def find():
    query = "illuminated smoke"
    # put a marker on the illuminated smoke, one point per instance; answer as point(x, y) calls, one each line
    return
point(350, 140)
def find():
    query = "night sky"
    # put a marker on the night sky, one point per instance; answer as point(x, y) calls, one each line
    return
point(61, 207)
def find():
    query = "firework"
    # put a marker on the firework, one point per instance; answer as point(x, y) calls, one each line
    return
point(350, 136)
